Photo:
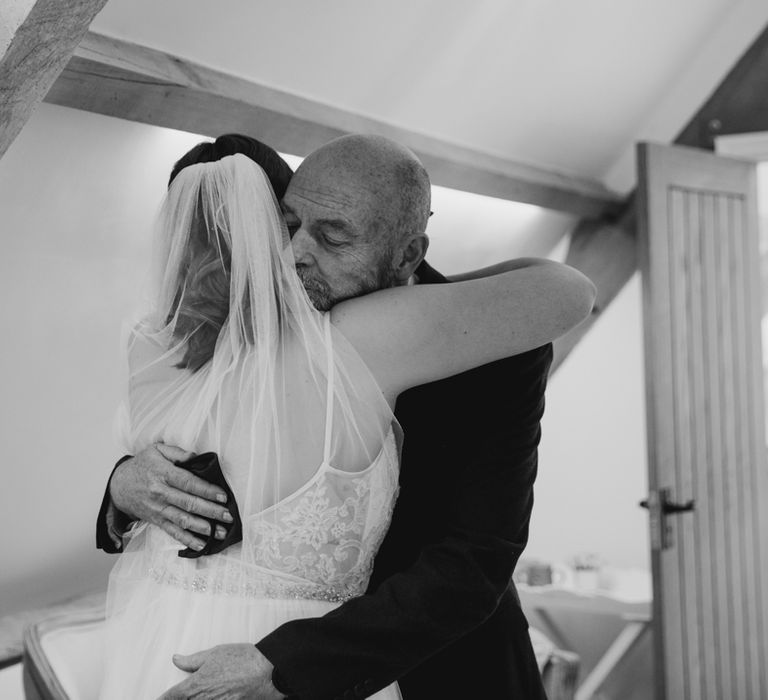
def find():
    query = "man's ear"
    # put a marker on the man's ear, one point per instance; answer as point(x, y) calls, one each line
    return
point(410, 256)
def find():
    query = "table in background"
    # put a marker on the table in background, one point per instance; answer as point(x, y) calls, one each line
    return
point(636, 616)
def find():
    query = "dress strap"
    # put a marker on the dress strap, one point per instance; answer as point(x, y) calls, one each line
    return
point(330, 378)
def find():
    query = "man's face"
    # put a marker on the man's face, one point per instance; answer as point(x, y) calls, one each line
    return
point(332, 218)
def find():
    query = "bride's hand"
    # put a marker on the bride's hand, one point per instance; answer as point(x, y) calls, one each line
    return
point(152, 488)
point(225, 672)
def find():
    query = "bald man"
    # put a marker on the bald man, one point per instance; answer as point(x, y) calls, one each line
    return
point(441, 616)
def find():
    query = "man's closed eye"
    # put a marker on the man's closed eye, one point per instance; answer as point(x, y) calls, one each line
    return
point(332, 241)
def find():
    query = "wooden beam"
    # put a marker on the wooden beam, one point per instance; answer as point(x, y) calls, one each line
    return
point(134, 82)
point(605, 250)
point(739, 105)
point(44, 33)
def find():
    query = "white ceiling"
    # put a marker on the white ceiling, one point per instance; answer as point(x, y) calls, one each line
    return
point(564, 84)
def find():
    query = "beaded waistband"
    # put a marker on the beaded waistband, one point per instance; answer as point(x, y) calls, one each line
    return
point(262, 587)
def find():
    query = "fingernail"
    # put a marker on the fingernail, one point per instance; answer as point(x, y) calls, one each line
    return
point(198, 545)
point(221, 533)
point(221, 497)
point(226, 516)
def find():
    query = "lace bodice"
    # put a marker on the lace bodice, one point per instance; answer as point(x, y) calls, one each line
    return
point(327, 534)
point(319, 542)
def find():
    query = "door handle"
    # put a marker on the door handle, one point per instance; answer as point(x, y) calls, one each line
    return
point(668, 507)
point(672, 507)
point(659, 506)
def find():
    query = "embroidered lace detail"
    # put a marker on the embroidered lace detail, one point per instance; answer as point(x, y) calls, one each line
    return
point(329, 533)
point(319, 536)
point(317, 544)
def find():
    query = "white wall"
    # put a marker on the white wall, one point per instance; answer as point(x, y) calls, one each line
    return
point(78, 193)
point(468, 231)
point(592, 461)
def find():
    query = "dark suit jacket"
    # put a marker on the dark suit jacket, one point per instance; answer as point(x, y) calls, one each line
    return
point(441, 615)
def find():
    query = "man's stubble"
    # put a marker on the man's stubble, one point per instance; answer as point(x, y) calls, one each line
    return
point(324, 297)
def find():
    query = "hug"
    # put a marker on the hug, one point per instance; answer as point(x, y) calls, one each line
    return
point(376, 429)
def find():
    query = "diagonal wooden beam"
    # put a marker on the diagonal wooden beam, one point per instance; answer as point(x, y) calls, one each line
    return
point(606, 252)
point(39, 40)
point(134, 82)
point(739, 105)
point(605, 249)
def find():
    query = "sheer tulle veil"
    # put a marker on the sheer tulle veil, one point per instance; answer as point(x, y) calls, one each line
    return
point(304, 436)
point(263, 400)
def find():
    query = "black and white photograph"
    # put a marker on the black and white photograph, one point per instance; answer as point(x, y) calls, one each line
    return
point(391, 349)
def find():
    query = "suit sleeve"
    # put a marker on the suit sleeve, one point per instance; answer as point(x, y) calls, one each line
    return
point(454, 585)
point(110, 519)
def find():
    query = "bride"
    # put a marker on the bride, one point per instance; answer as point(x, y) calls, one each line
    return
point(234, 359)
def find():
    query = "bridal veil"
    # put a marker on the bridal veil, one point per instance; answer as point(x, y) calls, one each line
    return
point(297, 420)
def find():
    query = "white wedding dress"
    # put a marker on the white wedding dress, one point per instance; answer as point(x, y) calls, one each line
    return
point(305, 440)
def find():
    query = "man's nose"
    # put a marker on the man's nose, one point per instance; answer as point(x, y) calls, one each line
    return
point(302, 247)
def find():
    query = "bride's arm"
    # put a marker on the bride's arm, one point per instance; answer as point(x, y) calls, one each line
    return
point(497, 269)
point(414, 335)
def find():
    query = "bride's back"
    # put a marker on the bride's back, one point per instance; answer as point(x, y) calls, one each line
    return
point(273, 422)
point(304, 435)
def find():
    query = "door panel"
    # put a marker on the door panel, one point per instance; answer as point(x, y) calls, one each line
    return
point(698, 245)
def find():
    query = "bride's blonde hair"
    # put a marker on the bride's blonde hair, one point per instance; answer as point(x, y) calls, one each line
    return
point(202, 305)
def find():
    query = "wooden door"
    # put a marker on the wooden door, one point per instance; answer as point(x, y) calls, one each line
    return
point(698, 243)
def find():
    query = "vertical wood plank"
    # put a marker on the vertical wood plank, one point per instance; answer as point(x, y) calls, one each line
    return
point(703, 515)
point(727, 271)
point(744, 440)
point(658, 376)
point(675, 614)
point(716, 374)
point(689, 686)
point(757, 463)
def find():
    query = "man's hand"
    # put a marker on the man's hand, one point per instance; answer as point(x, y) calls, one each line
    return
point(225, 672)
point(151, 487)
